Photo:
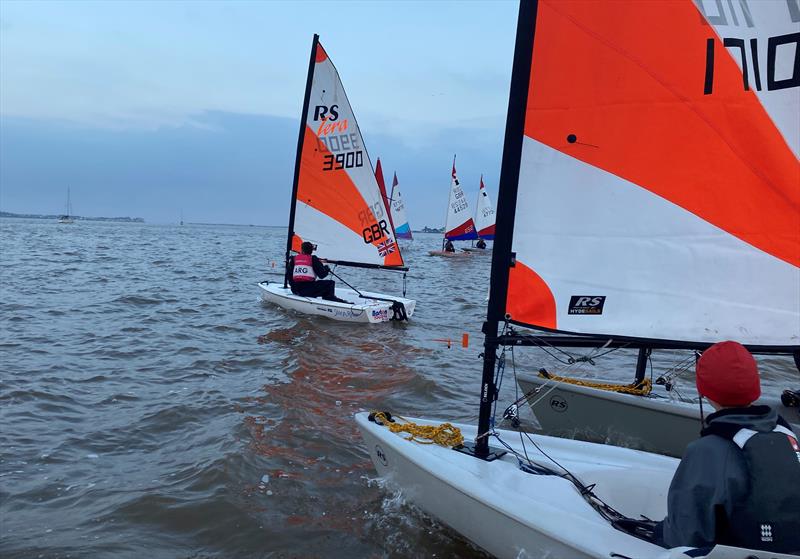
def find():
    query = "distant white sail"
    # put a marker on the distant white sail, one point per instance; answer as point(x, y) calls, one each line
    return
point(401, 227)
point(459, 225)
point(484, 214)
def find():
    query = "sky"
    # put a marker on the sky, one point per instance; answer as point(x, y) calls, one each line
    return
point(153, 109)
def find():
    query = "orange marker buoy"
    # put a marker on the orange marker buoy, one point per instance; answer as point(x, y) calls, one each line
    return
point(465, 340)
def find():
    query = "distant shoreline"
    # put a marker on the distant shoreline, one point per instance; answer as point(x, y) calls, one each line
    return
point(74, 217)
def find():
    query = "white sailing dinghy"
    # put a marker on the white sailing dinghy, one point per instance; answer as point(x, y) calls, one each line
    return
point(337, 205)
point(484, 219)
point(537, 496)
point(402, 229)
point(678, 228)
point(659, 421)
point(459, 225)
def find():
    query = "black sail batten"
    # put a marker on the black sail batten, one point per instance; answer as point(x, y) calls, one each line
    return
point(367, 265)
point(502, 257)
point(300, 139)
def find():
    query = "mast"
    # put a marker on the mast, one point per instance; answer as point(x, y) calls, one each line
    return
point(449, 200)
point(502, 257)
point(301, 136)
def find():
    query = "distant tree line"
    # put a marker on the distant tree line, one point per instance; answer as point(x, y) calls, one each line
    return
point(75, 217)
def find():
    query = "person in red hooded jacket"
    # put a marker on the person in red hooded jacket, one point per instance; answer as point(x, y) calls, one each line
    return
point(739, 483)
point(305, 274)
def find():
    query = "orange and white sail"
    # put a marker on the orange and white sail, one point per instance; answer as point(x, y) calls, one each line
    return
point(459, 225)
point(338, 204)
point(659, 184)
point(484, 214)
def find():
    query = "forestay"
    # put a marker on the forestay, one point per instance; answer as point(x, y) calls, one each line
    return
point(659, 185)
point(459, 225)
point(338, 205)
point(484, 214)
point(402, 229)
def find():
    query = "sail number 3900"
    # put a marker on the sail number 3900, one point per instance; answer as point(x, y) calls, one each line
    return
point(347, 160)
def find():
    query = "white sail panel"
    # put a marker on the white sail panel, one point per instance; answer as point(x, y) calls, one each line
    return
point(327, 234)
point(768, 30)
point(651, 289)
point(459, 225)
point(336, 179)
point(658, 196)
point(484, 214)
point(401, 227)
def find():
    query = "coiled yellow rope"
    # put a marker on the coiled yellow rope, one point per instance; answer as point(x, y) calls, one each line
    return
point(642, 389)
point(444, 434)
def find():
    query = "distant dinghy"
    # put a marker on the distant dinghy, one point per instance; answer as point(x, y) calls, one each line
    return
point(337, 204)
point(484, 220)
point(459, 225)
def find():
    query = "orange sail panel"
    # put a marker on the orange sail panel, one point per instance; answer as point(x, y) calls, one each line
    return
point(719, 155)
point(659, 185)
point(339, 206)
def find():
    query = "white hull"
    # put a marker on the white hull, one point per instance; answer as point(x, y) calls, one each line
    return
point(651, 423)
point(476, 250)
point(362, 310)
point(513, 514)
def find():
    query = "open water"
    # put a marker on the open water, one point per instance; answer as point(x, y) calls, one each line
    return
point(152, 406)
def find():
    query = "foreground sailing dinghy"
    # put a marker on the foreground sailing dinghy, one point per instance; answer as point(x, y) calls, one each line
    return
point(534, 496)
point(458, 225)
point(337, 205)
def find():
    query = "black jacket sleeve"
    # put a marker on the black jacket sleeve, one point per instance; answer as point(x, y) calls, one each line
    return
point(319, 267)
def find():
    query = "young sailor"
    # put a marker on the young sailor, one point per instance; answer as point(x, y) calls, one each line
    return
point(480, 244)
point(448, 246)
point(739, 483)
point(305, 273)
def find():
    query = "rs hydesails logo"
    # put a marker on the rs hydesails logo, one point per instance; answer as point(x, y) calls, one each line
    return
point(586, 304)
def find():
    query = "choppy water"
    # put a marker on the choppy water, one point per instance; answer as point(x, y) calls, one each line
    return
point(151, 406)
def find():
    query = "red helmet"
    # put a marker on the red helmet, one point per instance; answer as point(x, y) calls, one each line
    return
point(728, 375)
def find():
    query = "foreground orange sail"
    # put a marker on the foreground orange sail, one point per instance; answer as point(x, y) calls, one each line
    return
point(659, 183)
